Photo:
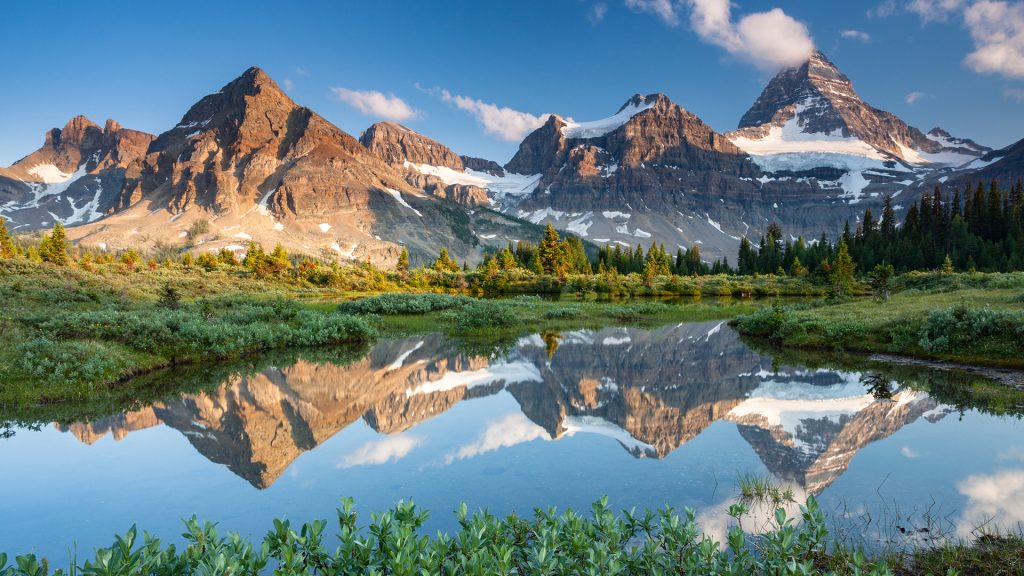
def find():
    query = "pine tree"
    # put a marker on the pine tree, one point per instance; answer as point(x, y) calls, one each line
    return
point(842, 271)
point(947, 266)
point(550, 252)
point(54, 247)
point(403, 261)
point(7, 248)
point(444, 262)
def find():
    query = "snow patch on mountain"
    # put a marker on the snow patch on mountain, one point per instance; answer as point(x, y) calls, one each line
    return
point(398, 197)
point(501, 187)
point(598, 128)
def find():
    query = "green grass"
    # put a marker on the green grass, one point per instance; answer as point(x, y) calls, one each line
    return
point(973, 319)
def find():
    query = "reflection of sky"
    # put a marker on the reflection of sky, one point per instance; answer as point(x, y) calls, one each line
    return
point(485, 452)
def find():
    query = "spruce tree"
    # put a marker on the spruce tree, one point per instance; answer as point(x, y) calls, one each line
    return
point(7, 248)
point(842, 271)
point(403, 261)
point(54, 247)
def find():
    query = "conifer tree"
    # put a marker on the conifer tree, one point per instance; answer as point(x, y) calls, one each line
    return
point(403, 261)
point(54, 247)
point(842, 271)
point(7, 248)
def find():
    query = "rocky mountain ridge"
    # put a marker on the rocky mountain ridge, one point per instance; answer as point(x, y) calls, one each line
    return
point(809, 154)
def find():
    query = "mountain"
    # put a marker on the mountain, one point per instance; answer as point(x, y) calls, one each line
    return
point(257, 166)
point(422, 162)
point(814, 111)
point(653, 171)
point(809, 154)
point(74, 177)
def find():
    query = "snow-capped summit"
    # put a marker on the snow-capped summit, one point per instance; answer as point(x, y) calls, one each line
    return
point(811, 116)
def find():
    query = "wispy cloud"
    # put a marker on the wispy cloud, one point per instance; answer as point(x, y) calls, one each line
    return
point(997, 29)
point(664, 9)
point(381, 451)
point(597, 12)
point(856, 35)
point(500, 121)
point(288, 84)
point(373, 103)
point(934, 10)
point(770, 40)
point(301, 71)
point(502, 433)
point(883, 10)
point(914, 97)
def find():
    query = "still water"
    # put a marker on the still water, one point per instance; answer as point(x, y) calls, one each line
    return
point(672, 415)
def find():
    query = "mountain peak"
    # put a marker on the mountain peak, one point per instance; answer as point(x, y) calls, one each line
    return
point(639, 100)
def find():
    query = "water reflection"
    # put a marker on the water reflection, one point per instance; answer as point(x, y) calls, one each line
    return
point(649, 391)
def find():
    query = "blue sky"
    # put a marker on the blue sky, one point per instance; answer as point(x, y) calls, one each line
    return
point(145, 63)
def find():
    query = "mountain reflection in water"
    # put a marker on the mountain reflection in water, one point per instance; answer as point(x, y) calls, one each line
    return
point(651, 391)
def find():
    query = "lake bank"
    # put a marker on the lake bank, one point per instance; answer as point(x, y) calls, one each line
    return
point(969, 319)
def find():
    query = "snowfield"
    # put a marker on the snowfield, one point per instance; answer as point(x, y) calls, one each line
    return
point(598, 128)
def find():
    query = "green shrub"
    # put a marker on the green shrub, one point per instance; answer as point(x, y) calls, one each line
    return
point(485, 314)
point(636, 311)
point(569, 543)
point(961, 326)
point(394, 304)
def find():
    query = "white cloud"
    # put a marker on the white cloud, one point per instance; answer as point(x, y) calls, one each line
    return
point(856, 35)
point(909, 452)
point(503, 433)
point(1014, 94)
point(500, 121)
point(934, 10)
point(998, 497)
point(288, 84)
point(302, 71)
point(914, 97)
point(664, 9)
point(769, 39)
point(381, 451)
point(597, 13)
point(997, 28)
point(373, 103)
point(883, 10)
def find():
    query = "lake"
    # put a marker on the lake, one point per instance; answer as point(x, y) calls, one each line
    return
point(673, 415)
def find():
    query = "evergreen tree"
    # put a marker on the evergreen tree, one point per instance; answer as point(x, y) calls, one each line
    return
point(841, 275)
point(54, 247)
point(550, 252)
point(403, 261)
point(444, 262)
point(7, 248)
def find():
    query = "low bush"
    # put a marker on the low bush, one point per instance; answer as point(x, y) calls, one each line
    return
point(569, 543)
point(636, 311)
point(395, 303)
point(961, 326)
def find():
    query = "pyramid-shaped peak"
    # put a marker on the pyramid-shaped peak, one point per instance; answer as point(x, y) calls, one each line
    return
point(253, 80)
point(819, 66)
point(641, 101)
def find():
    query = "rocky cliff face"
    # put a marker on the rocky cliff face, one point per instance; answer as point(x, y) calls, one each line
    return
point(74, 177)
point(262, 168)
point(423, 162)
